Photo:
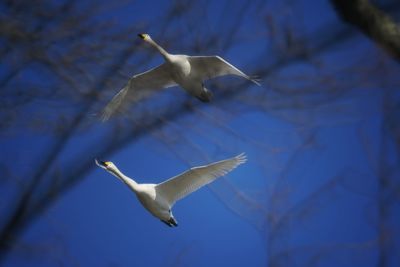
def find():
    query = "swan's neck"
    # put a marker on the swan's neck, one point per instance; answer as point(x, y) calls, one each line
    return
point(125, 179)
point(164, 53)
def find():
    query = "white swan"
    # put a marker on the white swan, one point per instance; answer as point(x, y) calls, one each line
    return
point(158, 199)
point(189, 72)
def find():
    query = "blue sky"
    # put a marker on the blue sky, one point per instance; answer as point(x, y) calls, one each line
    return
point(308, 193)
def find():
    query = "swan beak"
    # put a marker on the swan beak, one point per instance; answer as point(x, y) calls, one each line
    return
point(101, 164)
point(142, 35)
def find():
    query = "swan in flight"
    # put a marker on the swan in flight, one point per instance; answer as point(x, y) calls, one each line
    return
point(189, 72)
point(158, 199)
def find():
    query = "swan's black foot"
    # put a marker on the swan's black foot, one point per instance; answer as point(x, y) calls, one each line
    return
point(167, 223)
point(171, 222)
point(205, 96)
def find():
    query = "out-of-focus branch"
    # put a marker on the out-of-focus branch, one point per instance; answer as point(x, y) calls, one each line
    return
point(18, 221)
point(80, 85)
point(373, 22)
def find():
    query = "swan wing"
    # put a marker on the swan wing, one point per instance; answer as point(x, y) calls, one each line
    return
point(139, 87)
point(208, 67)
point(183, 184)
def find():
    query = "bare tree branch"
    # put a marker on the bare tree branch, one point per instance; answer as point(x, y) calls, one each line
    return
point(373, 22)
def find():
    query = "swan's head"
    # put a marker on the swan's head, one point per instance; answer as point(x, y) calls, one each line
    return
point(144, 36)
point(106, 165)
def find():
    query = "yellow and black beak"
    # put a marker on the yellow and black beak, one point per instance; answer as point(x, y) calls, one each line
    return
point(102, 164)
point(142, 35)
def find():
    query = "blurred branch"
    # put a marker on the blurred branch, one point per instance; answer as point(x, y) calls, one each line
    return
point(77, 60)
point(373, 22)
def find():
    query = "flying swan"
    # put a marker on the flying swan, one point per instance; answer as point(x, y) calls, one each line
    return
point(158, 199)
point(189, 72)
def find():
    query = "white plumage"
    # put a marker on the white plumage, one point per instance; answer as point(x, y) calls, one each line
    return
point(158, 199)
point(189, 72)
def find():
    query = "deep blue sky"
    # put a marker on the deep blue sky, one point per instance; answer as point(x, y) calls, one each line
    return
point(294, 154)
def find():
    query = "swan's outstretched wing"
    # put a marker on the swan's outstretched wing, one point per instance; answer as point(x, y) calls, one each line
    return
point(183, 184)
point(208, 67)
point(139, 87)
